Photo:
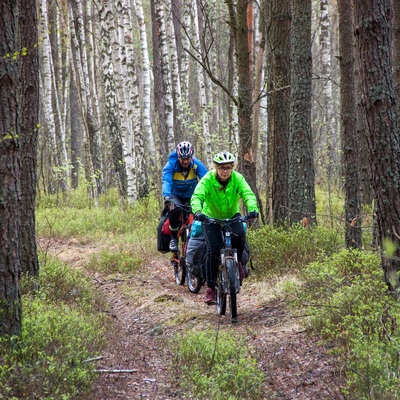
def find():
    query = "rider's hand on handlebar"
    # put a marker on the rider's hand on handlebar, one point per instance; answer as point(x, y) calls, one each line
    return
point(253, 215)
point(199, 216)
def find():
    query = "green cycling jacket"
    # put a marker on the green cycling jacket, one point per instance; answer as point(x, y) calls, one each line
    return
point(215, 201)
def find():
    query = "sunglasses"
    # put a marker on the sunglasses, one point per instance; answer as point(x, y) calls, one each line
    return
point(226, 168)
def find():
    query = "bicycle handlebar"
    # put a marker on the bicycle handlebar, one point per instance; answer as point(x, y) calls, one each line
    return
point(186, 207)
point(227, 221)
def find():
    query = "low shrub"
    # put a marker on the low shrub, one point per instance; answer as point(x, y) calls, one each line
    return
point(61, 331)
point(109, 262)
point(348, 305)
point(278, 250)
point(216, 366)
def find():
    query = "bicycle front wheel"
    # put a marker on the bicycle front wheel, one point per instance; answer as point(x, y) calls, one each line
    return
point(194, 282)
point(230, 266)
point(220, 293)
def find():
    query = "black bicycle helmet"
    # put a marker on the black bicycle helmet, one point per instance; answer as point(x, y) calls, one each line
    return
point(224, 158)
point(184, 149)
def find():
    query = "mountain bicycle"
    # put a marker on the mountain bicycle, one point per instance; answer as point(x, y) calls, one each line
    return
point(228, 278)
point(178, 259)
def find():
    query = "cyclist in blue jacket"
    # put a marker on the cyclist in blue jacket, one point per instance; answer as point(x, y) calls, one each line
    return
point(180, 176)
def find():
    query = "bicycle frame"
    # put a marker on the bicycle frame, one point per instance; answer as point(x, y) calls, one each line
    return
point(228, 279)
point(178, 259)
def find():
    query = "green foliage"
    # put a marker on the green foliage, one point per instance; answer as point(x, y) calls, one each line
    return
point(138, 220)
point(348, 305)
point(277, 250)
point(216, 366)
point(123, 261)
point(61, 331)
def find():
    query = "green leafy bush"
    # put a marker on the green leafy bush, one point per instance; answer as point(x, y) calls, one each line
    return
point(277, 250)
point(216, 366)
point(61, 331)
point(348, 306)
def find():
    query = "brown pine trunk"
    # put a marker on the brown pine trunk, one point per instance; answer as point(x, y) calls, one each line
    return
point(10, 192)
point(373, 33)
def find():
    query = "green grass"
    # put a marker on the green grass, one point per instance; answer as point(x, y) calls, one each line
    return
point(217, 365)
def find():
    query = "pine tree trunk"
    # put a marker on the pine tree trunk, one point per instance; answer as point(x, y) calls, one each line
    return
point(301, 160)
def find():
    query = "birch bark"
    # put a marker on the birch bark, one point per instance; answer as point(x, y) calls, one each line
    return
point(166, 75)
point(146, 78)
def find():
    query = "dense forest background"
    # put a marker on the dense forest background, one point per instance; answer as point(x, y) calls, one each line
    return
point(304, 93)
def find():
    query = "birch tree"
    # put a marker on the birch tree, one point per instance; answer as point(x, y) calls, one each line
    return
point(200, 82)
point(179, 120)
point(83, 50)
point(111, 101)
point(49, 93)
point(146, 78)
point(166, 76)
point(329, 153)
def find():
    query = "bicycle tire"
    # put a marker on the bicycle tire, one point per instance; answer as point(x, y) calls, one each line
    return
point(194, 282)
point(220, 295)
point(230, 266)
point(180, 272)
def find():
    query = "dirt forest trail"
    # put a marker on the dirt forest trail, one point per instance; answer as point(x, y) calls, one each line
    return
point(149, 308)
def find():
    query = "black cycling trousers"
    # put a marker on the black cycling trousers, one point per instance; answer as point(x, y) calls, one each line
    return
point(214, 242)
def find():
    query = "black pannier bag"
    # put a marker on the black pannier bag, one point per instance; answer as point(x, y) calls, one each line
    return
point(162, 239)
point(196, 255)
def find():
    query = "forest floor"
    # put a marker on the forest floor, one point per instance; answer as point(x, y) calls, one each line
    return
point(149, 308)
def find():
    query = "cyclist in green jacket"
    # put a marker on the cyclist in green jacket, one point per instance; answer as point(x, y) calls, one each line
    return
point(218, 195)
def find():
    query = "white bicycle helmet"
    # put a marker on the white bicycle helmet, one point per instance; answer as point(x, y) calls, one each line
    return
point(224, 158)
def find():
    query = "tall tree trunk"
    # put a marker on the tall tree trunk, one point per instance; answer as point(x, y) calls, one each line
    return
point(301, 160)
point(373, 34)
point(124, 86)
point(111, 102)
point(201, 82)
point(278, 111)
point(247, 162)
point(329, 131)
point(396, 52)
point(349, 138)
point(76, 136)
point(10, 267)
point(28, 100)
point(79, 79)
point(166, 77)
point(175, 75)
point(146, 77)
point(88, 94)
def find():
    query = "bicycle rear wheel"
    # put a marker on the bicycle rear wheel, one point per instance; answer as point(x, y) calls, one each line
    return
point(180, 271)
point(230, 266)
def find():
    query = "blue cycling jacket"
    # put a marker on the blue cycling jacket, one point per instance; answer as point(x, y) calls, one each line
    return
point(174, 181)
